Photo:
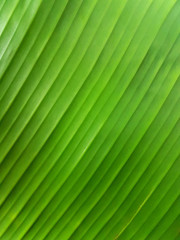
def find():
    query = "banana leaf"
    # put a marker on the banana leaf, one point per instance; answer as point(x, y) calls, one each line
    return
point(89, 119)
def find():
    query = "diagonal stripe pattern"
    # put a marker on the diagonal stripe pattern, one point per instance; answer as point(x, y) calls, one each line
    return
point(89, 119)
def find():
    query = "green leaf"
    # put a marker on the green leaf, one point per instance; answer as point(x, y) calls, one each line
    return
point(89, 119)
